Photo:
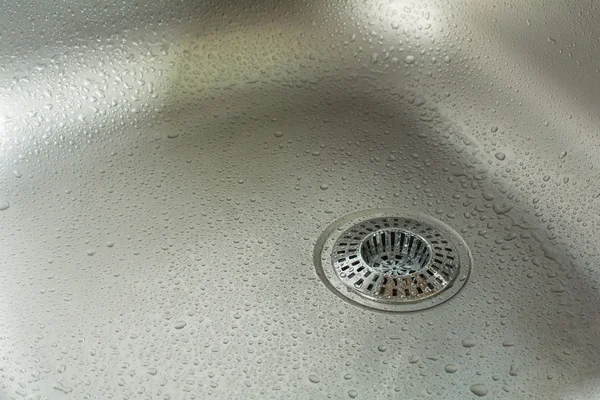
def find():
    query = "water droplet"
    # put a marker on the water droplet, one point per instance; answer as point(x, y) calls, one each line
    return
point(324, 186)
point(451, 368)
point(382, 348)
point(110, 244)
point(409, 59)
point(17, 173)
point(173, 135)
point(90, 252)
point(419, 101)
point(480, 389)
point(494, 128)
point(278, 134)
point(314, 378)
point(501, 208)
point(469, 342)
point(500, 156)
point(4, 204)
point(352, 394)
point(152, 371)
point(487, 196)
point(562, 155)
point(513, 370)
point(61, 388)
point(510, 236)
point(180, 324)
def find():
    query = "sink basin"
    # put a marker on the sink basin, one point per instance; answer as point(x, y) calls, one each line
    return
point(168, 170)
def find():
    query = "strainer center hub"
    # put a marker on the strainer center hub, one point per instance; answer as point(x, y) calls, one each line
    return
point(395, 252)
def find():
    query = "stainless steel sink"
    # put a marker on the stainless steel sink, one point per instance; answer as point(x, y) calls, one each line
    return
point(169, 167)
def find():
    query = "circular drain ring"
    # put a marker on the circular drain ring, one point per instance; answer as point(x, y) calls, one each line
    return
point(419, 226)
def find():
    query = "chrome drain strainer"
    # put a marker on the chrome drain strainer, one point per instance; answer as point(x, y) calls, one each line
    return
point(391, 260)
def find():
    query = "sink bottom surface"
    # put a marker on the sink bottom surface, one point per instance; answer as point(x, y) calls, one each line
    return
point(173, 257)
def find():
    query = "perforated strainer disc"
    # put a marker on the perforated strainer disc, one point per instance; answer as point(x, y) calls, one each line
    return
point(392, 260)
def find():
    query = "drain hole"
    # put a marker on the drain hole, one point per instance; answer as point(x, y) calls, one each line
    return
point(395, 252)
point(397, 261)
